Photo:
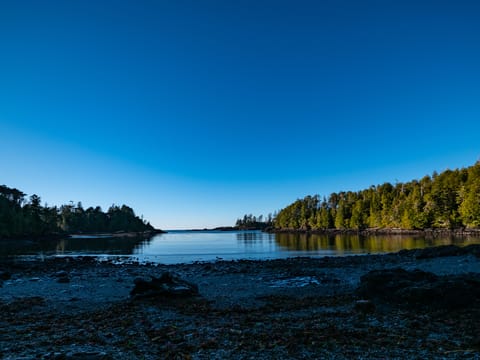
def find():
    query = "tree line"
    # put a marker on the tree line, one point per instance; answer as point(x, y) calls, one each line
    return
point(449, 200)
point(249, 222)
point(26, 217)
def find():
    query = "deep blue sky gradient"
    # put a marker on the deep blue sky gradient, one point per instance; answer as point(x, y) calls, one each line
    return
point(196, 112)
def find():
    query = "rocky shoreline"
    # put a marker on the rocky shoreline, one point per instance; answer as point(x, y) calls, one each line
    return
point(427, 233)
point(300, 308)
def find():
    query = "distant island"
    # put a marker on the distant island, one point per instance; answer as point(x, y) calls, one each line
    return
point(449, 201)
point(249, 222)
point(27, 218)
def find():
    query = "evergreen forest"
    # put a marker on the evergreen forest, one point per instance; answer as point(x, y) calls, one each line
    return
point(26, 217)
point(252, 222)
point(449, 200)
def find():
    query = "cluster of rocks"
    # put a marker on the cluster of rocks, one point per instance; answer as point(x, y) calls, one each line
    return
point(167, 285)
point(420, 288)
point(395, 286)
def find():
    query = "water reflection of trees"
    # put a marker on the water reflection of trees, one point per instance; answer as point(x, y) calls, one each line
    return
point(26, 247)
point(249, 237)
point(357, 243)
point(117, 246)
point(122, 245)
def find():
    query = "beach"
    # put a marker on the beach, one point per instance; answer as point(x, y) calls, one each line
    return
point(299, 308)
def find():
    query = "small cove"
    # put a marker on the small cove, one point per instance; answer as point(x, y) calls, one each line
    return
point(189, 246)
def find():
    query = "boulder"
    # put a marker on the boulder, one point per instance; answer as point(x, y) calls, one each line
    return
point(473, 249)
point(419, 288)
point(439, 251)
point(385, 283)
point(448, 250)
point(167, 285)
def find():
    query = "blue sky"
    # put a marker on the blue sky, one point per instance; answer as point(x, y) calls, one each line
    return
point(197, 112)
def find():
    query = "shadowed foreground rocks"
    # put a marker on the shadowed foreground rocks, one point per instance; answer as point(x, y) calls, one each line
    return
point(393, 306)
point(420, 288)
point(447, 250)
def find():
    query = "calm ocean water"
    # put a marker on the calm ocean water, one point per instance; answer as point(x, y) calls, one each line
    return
point(189, 246)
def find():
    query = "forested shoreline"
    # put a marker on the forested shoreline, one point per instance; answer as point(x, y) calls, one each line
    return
point(22, 217)
point(449, 201)
point(252, 222)
point(445, 202)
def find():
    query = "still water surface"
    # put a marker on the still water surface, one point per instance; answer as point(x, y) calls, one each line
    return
point(188, 246)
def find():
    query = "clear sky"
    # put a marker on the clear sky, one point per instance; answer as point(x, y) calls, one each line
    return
point(197, 112)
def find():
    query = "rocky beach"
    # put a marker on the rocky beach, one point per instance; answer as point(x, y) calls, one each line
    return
point(414, 304)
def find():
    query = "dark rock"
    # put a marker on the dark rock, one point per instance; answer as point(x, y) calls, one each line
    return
point(408, 252)
point(448, 250)
point(439, 251)
point(61, 273)
point(385, 283)
point(473, 249)
point(5, 275)
point(421, 288)
point(448, 292)
point(62, 277)
point(364, 306)
point(208, 267)
point(167, 285)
